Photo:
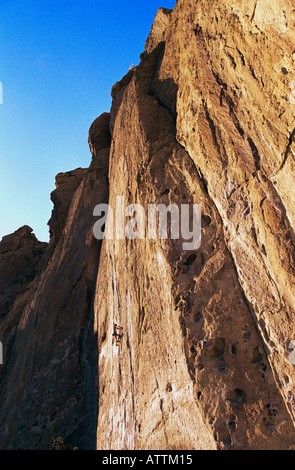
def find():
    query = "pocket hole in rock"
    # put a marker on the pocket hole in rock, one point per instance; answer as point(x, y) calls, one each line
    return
point(191, 259)
point(219, 346)
point(222, 367)
point(169, 387)
point(257, 356)
point(205, 221)
point(237, 396)
point(185, 269)
point(197, 317)
point(193, 350)
point(247, 335)
point(226, 440)
point(232, 424)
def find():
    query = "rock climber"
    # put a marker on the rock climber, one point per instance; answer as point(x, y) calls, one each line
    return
point(117, 333)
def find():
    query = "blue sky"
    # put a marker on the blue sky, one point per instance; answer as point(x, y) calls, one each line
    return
point(59, 61)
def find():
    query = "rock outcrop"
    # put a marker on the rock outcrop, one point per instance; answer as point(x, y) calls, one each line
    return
point(49, 376)
point(204, 361)
point(66, 186)
point(158, 29)
point(20, 257)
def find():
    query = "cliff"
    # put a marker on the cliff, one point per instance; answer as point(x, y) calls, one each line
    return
point(204, 361)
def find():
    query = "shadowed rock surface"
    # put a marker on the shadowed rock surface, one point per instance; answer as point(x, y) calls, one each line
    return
point(204, 360)
point(49, 377)
point(66, 185)
point(20, 256)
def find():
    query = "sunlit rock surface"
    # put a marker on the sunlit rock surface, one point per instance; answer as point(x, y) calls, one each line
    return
point(205, 359)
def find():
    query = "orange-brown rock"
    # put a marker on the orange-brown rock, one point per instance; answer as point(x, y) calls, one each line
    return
point(204, 361)
point(157, 33)
point(49, 376)
point(20, 257)
point(66, 185)
point(205, 118)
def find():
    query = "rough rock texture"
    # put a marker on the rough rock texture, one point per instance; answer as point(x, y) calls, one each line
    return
point(157, 33)
point(66, 185)
point(204, 360)
point(49, 377)
point(205, 118)
point(20, 256)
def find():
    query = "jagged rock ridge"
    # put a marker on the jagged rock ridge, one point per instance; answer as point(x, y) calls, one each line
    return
point(204, 361)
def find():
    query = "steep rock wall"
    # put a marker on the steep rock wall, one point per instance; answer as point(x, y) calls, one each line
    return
point(20, 257)
point(49, 377)
point(205, 118)
point(204, 360)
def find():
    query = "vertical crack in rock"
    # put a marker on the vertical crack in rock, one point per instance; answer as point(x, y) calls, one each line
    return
point(288, 150)
point(197, 132)
point(143, 150)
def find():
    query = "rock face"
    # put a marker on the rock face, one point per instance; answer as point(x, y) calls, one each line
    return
point(49, 376)
point(20, 256)
point(66, 185)
point(158, 29)
point(205, 358)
